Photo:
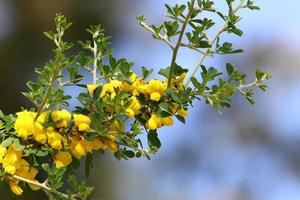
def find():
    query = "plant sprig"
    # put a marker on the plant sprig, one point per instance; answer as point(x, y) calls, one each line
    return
point(119, 105)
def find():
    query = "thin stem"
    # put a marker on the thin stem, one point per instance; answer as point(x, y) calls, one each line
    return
point(43, 186)
point(95, 51)
point(175, 50)
point(176, 18)
point(163, 38)
point(56, 72)
point(47, 95)
point(241, 87)
point(193, 48)
point(224, 27)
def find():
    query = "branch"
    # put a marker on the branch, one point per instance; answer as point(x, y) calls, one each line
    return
point(224, 27)
point(193, 48)
point(161, 37)
point(175, 50)
point(43, 186)
point(95, 51)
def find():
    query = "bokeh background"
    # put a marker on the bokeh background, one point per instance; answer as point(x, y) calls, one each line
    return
point(246, 153)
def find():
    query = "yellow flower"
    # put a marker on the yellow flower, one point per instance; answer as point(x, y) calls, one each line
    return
point(133, 77)
point(12, 160)
point(126, 87)
point(97, 144)
point(39, 123)
point(61, 118)
point(180, 79)
point(134, 107)
point(112, 146)
point(77, 148)
point(167, 121)
point(56, 140)
point(62, 159)
point(2, 153)
point(24, 124)
point(40, 137)
point(182, 112)
point(23, 168)
point(155, 96)
point(141, 88)
point(82, 122)
point(129, 112)
point(157, 87)
point(91, 88)
point(110, 88)
point(15, 188)
point(27, 172)
point(154, 122)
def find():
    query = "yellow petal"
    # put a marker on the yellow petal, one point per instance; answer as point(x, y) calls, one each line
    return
point(168, 121)
point(15, 188)
point(152, 125)
point(155, 96)
point(91, 88)
point(62, 159)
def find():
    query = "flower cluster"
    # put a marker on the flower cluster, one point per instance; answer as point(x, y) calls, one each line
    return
point(64, 134)
point(144, 99)
point(67, 135)
point(119, 106)
point(13, 163)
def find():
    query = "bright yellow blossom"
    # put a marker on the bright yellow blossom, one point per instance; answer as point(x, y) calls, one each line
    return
point(27, 172)
point(39, 123)
point(15, 188)
point(97, 144)
point(182, 112)
point(156, 89)
point(11, 160)
point(56, 140)
point(82, 122)
point(91, 88)
point(112, 146)
point(61, 118)
point(155, 96)
point(24, 124)
point(154, 122)
point(110, 88)
point(40, 136)
point(167, 121)
point(62, 159)
point(77, 148)
point(134, 107)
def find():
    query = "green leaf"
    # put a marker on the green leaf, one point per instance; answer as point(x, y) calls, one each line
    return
point(174, 95)
point(146, 72)
point(129, 154)
point(17, 144)
point(171, 28)
point(226, 48)
point(153, 139)
point(7, 142)
point(180, 118)
point(229, 68)
point(178, 70)
point(88, 164)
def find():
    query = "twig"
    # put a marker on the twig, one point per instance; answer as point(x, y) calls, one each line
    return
point(163, 38)
point(43, 186)
point(224, 27)
point(175, 50)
